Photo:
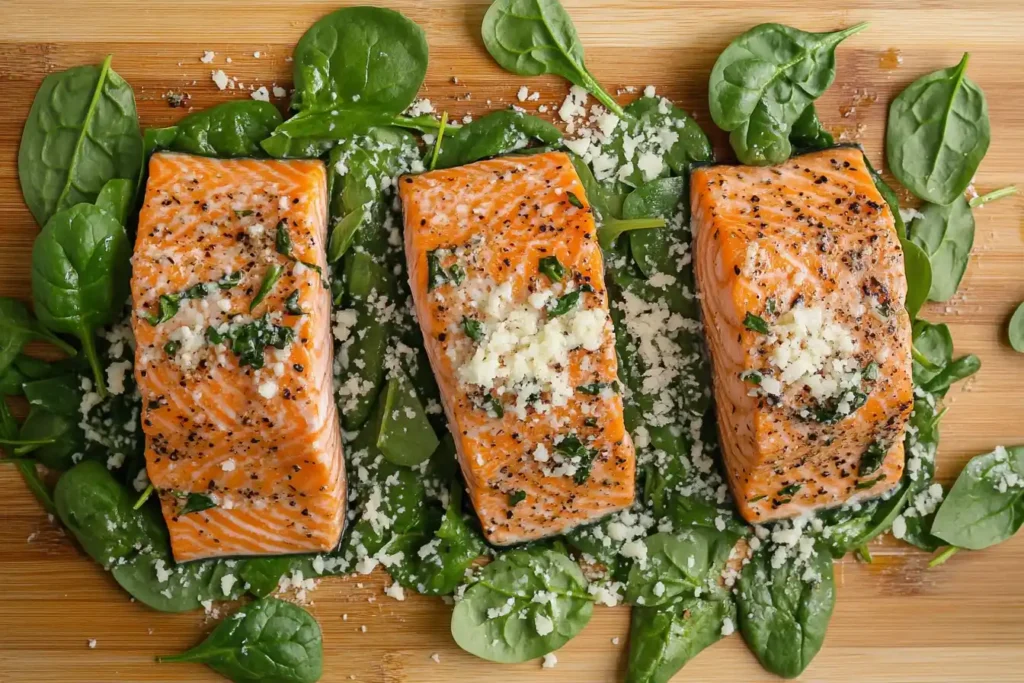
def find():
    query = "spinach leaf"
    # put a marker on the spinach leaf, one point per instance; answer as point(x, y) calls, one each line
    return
point(196, 502)
point(117, 198)
point(534, 37)
point(647, 114)
point(946, 235)
point(81, 132)
point(663, 639)
point(403, 433)
point(500, 620)
point(681, 564)
point(606, 201)
point(262, 575)
point(62, 433)
point(28, 470)
point(662, 198)
point(366, 58)
point(986, 504)
point(784, 611)
point(1015, 330)
point(17, 327)
point(918, 268)
point(80, 272)
point(312, 134)
point(937, 134)
point(266, 640)
point(764, 81)
point(227, 130)
point(807, 134)
point(494, 134)
point(436, 564)
point(98, 511)
point(849, 529)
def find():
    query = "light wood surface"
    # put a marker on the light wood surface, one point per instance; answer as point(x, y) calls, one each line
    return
point(895, 620)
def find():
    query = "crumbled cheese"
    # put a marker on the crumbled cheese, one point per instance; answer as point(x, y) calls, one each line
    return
point(420, 107)
point(115, 376)
point(436, 658)
point(899, 526)
point(523, 93)
point(268, 389)
point(279, 92)
point(220, 79)
point(395, 591)
point(207, 57)
point(227, 582)
point(261, 94)
point(91, 643)
point(649, 91)
point(228, 465)
point(728, 628)
point(543, 624)
point(550, 661)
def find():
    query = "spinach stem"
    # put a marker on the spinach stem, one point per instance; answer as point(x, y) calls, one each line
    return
point(143, 498)
point(611, 228)
point(922, 359)
point(604, 98)
point(36, 484)
point(437, 142)
point(980, 200)
point(89, 349)
point(864, 553)
point(24, 442)
point(943, 556)
point(61, 344)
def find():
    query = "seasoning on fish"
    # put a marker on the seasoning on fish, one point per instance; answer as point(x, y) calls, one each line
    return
point(508, 282)
point(233, 356)
point(802, 287)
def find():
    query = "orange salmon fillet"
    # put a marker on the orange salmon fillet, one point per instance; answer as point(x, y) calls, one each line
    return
point(813, 406)
point(532, 400)
point(261, 444)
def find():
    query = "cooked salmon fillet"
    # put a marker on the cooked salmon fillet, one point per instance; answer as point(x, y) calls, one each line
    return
point(237, 399)
point(508, 283)
point(802, 288)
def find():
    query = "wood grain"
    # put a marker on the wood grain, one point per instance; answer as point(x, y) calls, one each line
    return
point(894, 621)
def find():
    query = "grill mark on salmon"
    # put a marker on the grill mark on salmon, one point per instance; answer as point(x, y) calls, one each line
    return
point(263, 443)
point(808, 245)
point(495, 220)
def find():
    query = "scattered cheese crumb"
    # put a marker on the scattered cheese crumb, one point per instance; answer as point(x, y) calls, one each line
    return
point(220, 79)
point(260, 94)
point(436, 657)
point(92, 643)
point(207, 57)
point(279, 91)
point(550, 660)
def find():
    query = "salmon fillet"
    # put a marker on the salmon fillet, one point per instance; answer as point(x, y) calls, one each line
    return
point(802, 289)
point(237, 403)
point(507, 279)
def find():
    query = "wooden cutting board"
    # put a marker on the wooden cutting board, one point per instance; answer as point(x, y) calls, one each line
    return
point(895, 620)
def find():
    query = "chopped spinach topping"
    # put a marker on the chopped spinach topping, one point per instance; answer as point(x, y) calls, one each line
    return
point(170, 304)
point(786, 491)
point(861, 485)
point(564, 303)
point(770, 305)
point(552, 268)
point(574, 200)
point(291, 304)
point(516, 497)
point(756, 498)
point(582, 456)
point(871, 371)
point(493, 404)
point(270, 279)
point(437, 274)
point(282, 241)
point(596, 388)
point(829, 413)
point(872, 458)
point(171, 347)
point(195, 502)
point(474, 329)
point(249, 341)
point(755, 323)
point(753, 377)
point(243, 213)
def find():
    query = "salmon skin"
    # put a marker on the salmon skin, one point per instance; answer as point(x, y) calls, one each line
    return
point(243, 444)
point(802, 288)
point(507, 279)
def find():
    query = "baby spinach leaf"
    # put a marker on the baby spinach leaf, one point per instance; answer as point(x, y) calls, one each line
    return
point(369, 59)
point(446, 554)
point(404, 435)
point(63, 436)
point(17, 327)
point(918, 268)
point(494, 134)
point(986, 504)
point(663, 639)
point(80, 272)
point(661, 198)
point(605, 201)
point(849, 529)
point(262, 575)
point(1015, 330)
point(534, 37)
point(117, 198)
point(81, 132)
point(610, 229)
point(946, 234)
point(311, 134)
point(226, 130)
point(98, 511)
point(937, 134)
point(681, 564)
point(784, 611)
point(765, 80)
point(344, 233)
point(266, 640)
point(499, 619)
point(648, 114)
point(196, 502)
point(807, 134)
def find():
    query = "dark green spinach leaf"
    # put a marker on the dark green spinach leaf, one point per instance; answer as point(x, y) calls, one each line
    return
point(81, 132)
point(494, 134)
point(534, 37)
point(765, 80)
point(266, 640)
point(937, 134)
point(17, 327)
point(80, 275)
point(679, 565)
point(946, 235)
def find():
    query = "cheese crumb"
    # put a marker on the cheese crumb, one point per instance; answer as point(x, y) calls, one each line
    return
point(207, 57)
point(91, 643)
point(279, 92)
point(220, 79)
point(523, 93)
point(550, 660)
point(727, 627)
point(543, 624)
point(227, 582)
point(436, 657)
point(260, 94)
point(395, 591)
point(268, 389)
